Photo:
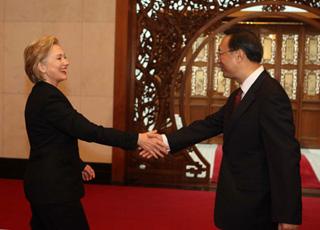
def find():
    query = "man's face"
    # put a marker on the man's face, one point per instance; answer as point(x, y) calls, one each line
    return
point(227, 58)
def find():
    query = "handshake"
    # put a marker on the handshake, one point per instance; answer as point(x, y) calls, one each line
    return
point(151, 145)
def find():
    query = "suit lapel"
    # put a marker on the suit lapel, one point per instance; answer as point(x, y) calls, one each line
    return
point(246, 101)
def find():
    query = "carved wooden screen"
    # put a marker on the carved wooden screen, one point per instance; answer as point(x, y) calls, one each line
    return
point(165, 32)
point(309, 125)
point(290, 56)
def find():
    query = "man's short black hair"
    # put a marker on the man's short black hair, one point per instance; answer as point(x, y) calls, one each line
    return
point(247, 41)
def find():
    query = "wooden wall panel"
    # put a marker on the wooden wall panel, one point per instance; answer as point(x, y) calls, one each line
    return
point(310, 127)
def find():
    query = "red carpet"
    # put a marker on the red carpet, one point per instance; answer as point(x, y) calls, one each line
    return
point(135, 208)
point(308, 177)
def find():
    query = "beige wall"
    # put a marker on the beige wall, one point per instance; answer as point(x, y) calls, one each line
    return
point(86, 31)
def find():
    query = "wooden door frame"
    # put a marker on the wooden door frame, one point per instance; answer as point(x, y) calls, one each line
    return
point(122, 75)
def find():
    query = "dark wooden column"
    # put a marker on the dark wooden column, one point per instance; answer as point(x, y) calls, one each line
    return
point(121, 84)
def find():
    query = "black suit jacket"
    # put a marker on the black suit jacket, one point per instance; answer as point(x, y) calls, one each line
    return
point(260, 175)
point(54, 168)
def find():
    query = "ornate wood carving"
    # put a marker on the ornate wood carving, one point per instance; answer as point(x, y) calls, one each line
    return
point(273, 8)
point(164, 31)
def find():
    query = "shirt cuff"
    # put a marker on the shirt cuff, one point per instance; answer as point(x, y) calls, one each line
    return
point(165, 141)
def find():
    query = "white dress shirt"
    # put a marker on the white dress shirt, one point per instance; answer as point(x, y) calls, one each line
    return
point(245, 86)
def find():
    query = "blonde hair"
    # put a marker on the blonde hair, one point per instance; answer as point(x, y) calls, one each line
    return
point(35, 53)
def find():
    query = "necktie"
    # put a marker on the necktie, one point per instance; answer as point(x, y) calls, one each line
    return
point(237, 99)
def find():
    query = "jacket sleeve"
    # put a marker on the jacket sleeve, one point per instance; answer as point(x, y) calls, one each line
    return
point(60, 113)
point(197, 131)
point(283, 157)
point(82, 164)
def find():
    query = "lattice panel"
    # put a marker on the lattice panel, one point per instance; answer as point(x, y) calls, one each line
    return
point(312, 83)
point(164, 30)
point(199, 81)
point(269, 48)
point(203, 54)
point(289, 81)
point(271, 72)
point(290, 43)
point(312, 47)
point(221, 84)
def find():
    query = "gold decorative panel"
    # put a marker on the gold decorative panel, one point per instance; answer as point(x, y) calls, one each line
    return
point(312, 82)
point(217, 42)
point(199, 81)
point(269, 48)
point(289, 80)
point(312, 49)
point(271, 72)
point(220, 83)
point(203, 54)
point(290, 49)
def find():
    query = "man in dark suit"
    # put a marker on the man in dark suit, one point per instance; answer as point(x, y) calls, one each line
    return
point(259, 185)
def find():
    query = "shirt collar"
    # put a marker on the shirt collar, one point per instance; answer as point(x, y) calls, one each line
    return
point(245, 86)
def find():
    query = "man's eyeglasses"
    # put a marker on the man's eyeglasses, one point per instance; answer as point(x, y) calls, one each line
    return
point(220, 53)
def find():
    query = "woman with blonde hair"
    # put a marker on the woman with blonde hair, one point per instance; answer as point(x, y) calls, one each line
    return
point(53, 179)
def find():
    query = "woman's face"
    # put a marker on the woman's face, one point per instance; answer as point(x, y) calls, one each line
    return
point(55, 66)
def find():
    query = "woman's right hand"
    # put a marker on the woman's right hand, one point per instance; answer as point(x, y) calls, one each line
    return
point(152, 143)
